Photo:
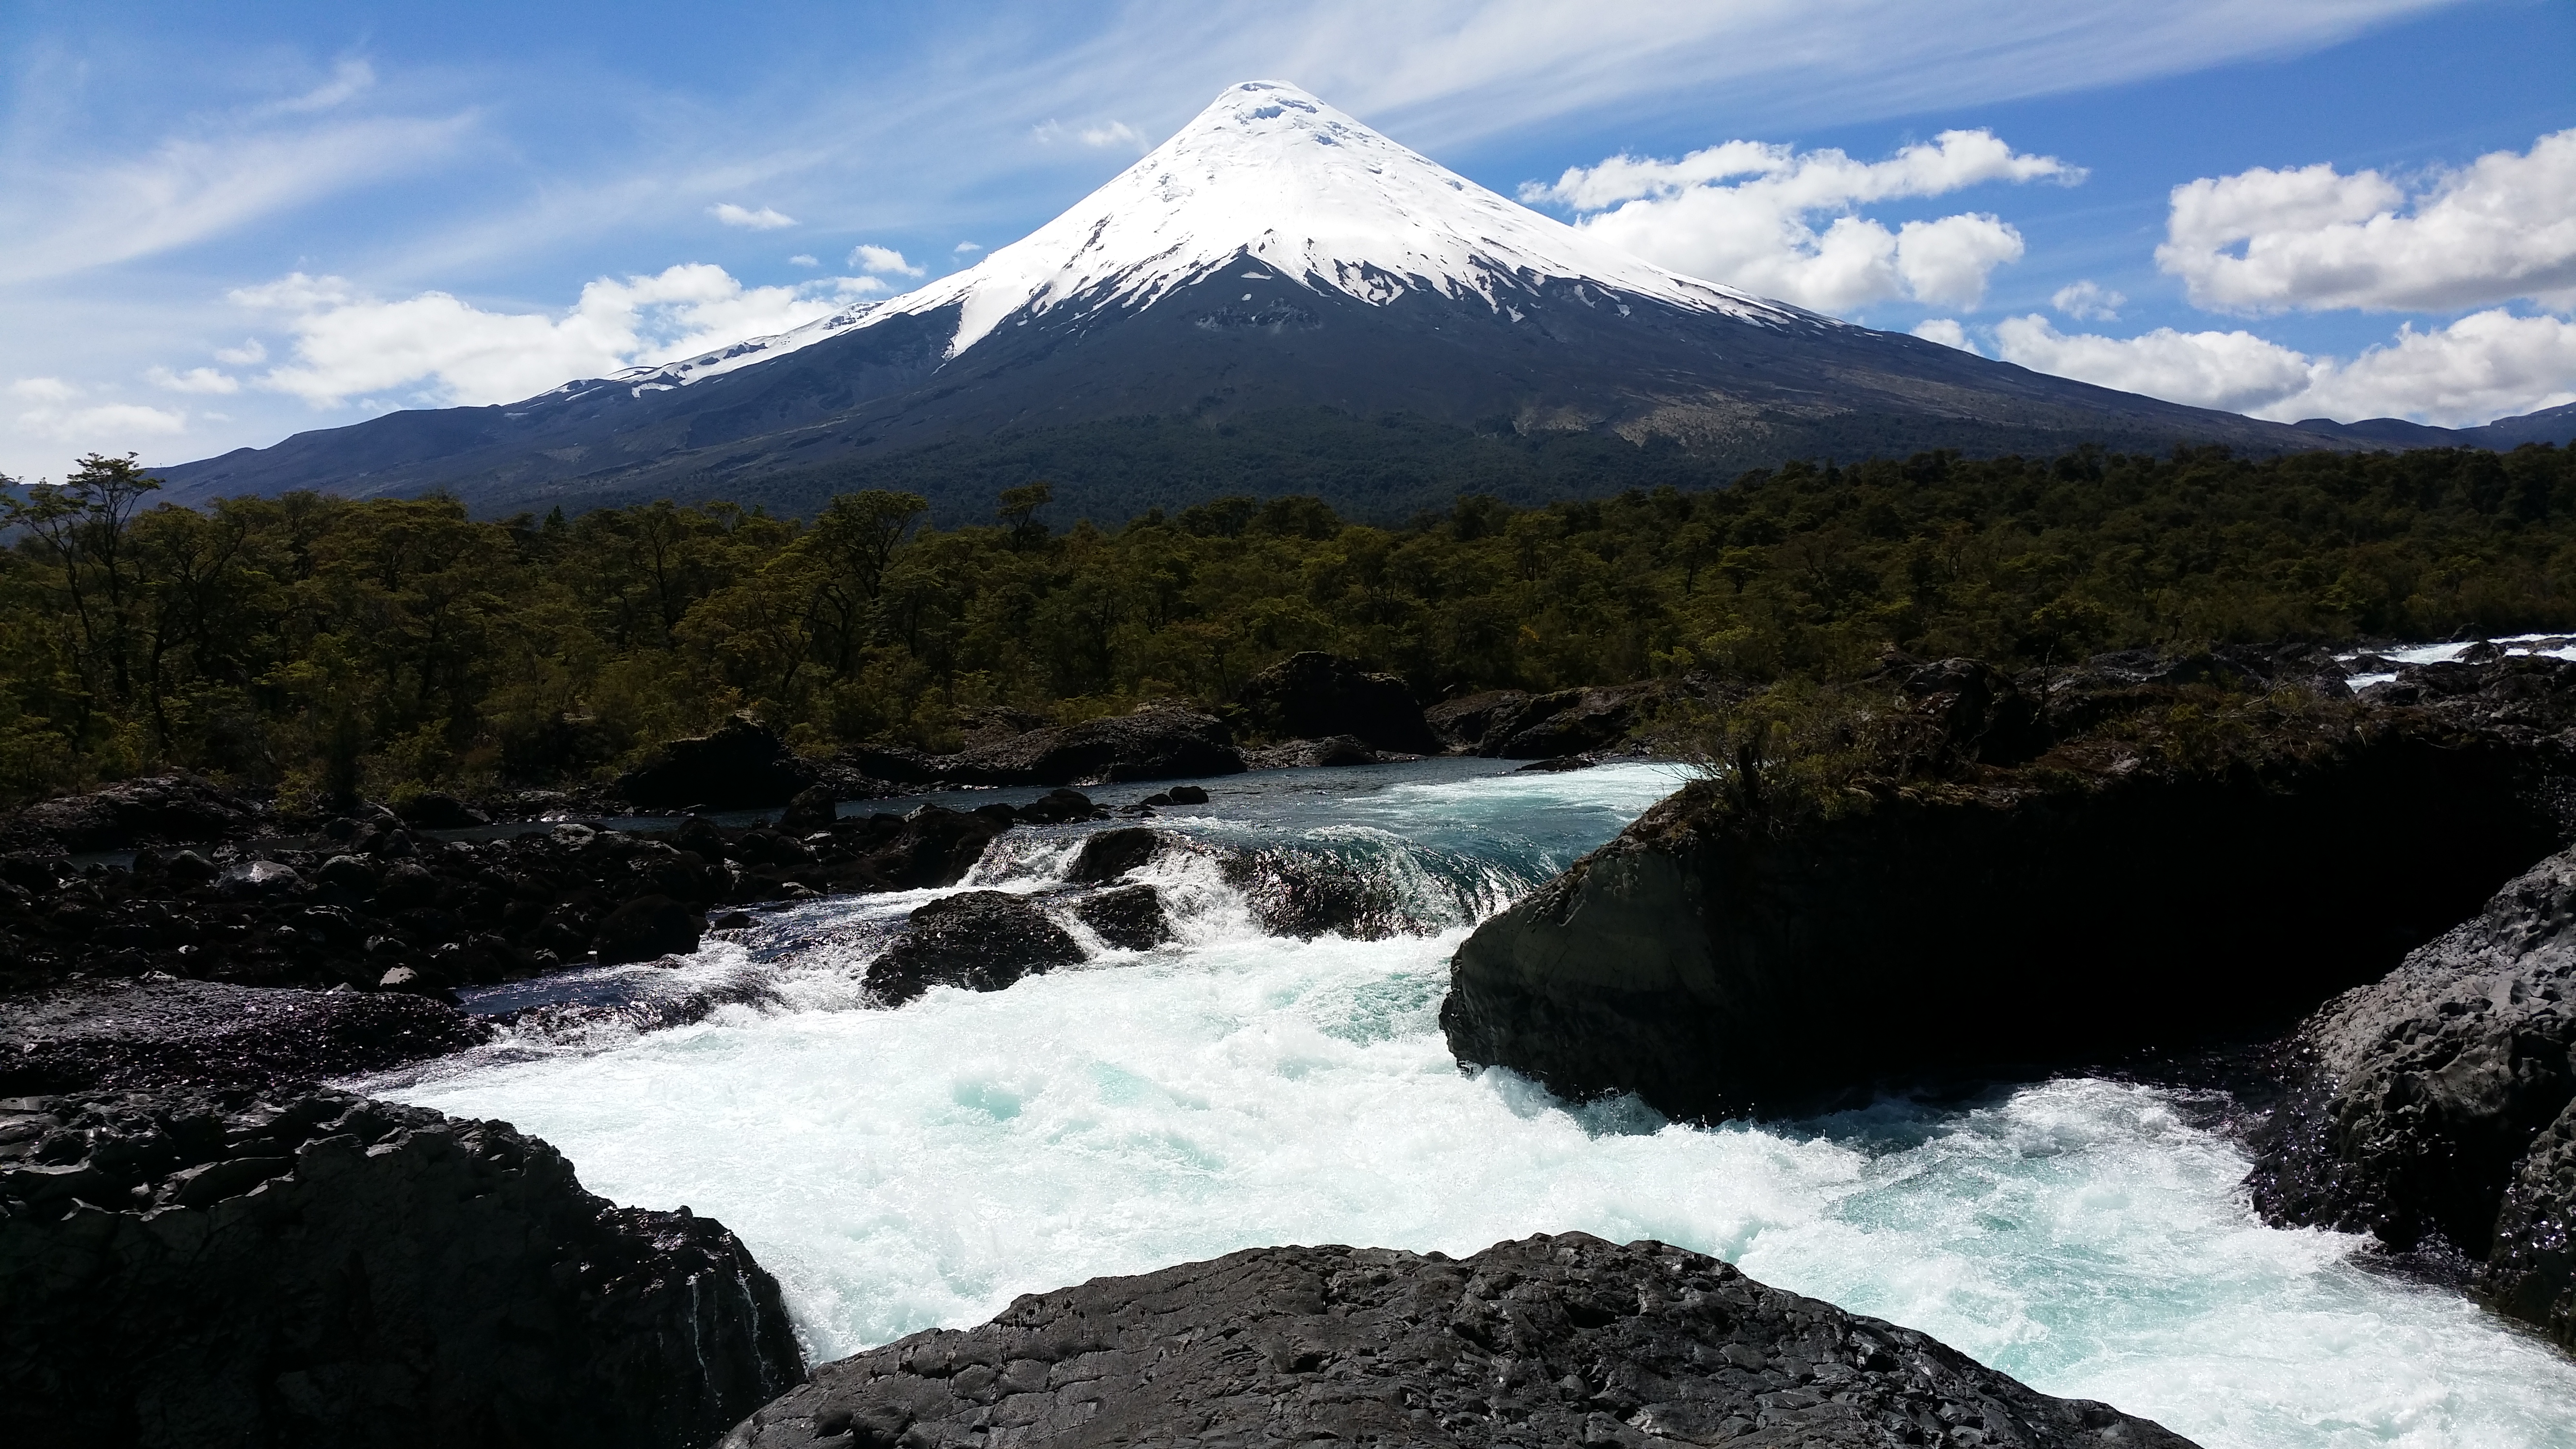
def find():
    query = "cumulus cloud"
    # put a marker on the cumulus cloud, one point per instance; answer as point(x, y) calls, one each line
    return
point(2487, 365)
point(251, 353)
point(1946, 331)
point(2088, 301)
point(1746, 213)
point(964, 249)
point(443, 351)
point(801, 259)
point(195, 379)
point(764, 219)
point(50, 408)
point(2501, 228)
point(882, 261)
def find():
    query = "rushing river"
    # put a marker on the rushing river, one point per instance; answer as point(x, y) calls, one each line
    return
point(899, 1170)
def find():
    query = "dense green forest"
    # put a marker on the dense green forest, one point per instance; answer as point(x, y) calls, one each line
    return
point(325, 646)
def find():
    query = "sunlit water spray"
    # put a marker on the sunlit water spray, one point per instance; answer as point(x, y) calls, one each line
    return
point(904, 1169)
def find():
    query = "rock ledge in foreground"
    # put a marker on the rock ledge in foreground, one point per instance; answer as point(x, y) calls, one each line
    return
point(187, 1270)
point(1561, 1340)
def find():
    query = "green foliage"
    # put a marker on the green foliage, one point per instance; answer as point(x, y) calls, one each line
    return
point(328, 646)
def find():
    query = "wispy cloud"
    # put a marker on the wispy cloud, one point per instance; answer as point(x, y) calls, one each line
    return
point(765, 219)
point(883, 261)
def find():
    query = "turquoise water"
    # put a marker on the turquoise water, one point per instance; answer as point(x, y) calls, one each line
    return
point(904, 1169)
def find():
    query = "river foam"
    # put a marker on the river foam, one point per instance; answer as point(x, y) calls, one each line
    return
point(904, 1169)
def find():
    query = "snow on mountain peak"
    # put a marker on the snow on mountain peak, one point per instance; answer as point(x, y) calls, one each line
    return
point(1270, 172)
point(1267, 174)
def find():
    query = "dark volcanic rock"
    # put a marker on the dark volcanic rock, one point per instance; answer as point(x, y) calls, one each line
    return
point(1154, 743)
point(1108, 854)
point(2415, 1101)
point(1307, 894)
point(1463, 725)
point(208, 1033)
point(316, 1268)
point(1572, 721)
point(2530, 1271)
point(1549, 1341)
point(1333, 751)
point(931, 846)
point(1314, 696)
point(741, 766)
point(434, 810)
point(1130, 918)
point(161, 810)
point(814, 808)
point(1721, 956)
point(647, 927)
point(981, 940)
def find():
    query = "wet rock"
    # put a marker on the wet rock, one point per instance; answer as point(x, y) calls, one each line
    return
point(254, 879)
point(2415, 1103)
point(932, 846)
point(1130, 918)
point(1158, 742)
point(405, 885)
point(1557, 766)
point(1730, 952)
point(1178, 795)
point(1108, 854)
point(1337, 750)
point(647, 927)
point(2530, 1271)
point(213, 1034)
point(1307, 894)
point(814, 808)
point(1056, 807)
point(1573, 722)
point(437, 810)
point(1314, 696)
point(316, 1268)
point(742, 766)
point(161, 810)
point(1564, 1340)
point(1464, 725)
point(980, 940)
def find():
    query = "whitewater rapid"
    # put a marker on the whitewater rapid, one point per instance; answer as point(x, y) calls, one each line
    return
point(899, 1170)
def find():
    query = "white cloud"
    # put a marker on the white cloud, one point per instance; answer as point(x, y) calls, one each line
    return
point(51, 408)
point(1745, 213)
point(1099, 136)
point(882, 261)
point(802, 260)
point(1946, 331)
point(2501, 228)
point(765, 219)
point(2487, 365)
point(2088, 300)
point(251, 352)
point(348, 78)
point(195, 379)
point(445, 351)
point(964, 249)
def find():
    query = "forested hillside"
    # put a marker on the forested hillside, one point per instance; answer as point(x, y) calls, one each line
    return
point(325, 646)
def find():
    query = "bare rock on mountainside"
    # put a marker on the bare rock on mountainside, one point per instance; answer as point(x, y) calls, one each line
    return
point(316, 1268)
point(173, 809)
point(2021, 873)
point(2436, 1100)
point(1314, 696)
point(1564, 1340)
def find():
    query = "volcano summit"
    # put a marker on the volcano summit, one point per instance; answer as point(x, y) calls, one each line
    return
point(1278, 295)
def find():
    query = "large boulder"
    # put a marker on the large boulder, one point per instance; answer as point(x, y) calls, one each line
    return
point(647, 927)
point(2530, 1271)
point(1314, 695)
point(1130, 918)
point(980, 940)
point(1158, 742)
point(1464, 725)
point(1564, 1340)
point(174, 809)
point(742, 766)
point(116, 1033)
point(2415, 1102)
point(316, 1268)
point(2204, 866)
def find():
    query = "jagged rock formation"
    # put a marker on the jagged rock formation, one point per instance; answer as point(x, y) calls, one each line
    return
point(160, 1032)
point(743, 765)
point(980, 940)
point(1158, 742)
point(1560, 1340)
point(1314, 696)
point(176, 809)
point(2019, 873)
point(319, 1269)
point(1509, 724)
point(2419, 1104)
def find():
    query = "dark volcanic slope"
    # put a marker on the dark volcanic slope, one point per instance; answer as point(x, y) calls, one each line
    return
point(1550, 1341)
point(1563, 358)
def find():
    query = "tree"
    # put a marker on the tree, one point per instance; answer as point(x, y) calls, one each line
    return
point(1019, 513)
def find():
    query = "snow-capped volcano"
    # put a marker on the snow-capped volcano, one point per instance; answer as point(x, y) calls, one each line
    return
point(1276, 267)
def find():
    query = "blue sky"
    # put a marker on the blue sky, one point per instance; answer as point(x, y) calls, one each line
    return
point(225, 225)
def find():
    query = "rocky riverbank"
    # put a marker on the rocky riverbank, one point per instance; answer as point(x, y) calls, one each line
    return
point(1968, 872)
point(1559, 1340)
point(2436, 1108)
point(315, 1268)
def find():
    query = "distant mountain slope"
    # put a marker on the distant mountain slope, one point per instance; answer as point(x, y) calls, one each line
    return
point(1275, 258)
point(2550, 425)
